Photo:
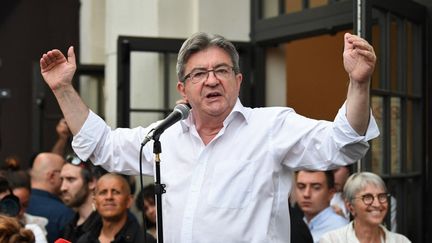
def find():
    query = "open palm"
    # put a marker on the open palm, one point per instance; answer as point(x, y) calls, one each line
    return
point(56, 69)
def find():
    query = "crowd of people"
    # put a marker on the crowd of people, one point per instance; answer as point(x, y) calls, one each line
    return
point(318, 196)
point(230, 179)
point(91, 205)
point(63, 197)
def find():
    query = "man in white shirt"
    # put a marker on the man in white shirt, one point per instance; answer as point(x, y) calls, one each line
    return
point(227, 168)
point(314, 190)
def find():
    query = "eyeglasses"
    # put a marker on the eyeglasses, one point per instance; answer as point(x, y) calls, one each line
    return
point(223, 72)
point(368, 199)
point(73, 159)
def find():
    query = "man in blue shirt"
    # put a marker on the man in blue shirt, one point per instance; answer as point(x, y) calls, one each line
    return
point(314, 190)
point(44, 200)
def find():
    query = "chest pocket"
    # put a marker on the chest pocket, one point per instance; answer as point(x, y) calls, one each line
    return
point(231, 184)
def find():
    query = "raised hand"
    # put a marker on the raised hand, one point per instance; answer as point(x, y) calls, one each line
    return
point(359, 58)
point(56, 69)
point(62, 129)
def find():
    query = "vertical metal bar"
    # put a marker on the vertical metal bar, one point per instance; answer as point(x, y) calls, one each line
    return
point(362, 25)
point(363, 18)
point(418, 112)
point(166, 80)
point(259, 77)
point(402, 84)
point(358, 20)
point(387, 99)
point(281, 7)
point(123, 83)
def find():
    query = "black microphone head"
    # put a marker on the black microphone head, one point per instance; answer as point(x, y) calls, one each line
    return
point(184, 110)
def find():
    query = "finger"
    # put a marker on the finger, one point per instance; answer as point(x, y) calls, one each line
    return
point(55, 56)
point(71, 55)
point(363, 45)
point(370, 56)
point(348, 41)
point(42, 63)
point(46, 61)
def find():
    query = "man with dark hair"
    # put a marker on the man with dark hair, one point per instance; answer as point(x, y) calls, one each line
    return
point(225, 164)
point(78, 184)
point(145, 202)
point(314, 190)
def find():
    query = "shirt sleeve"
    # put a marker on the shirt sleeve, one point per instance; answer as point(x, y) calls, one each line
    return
point(305, 143)
point(115, 150)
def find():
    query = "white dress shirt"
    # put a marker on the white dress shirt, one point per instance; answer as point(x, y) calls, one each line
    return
point(234, 189)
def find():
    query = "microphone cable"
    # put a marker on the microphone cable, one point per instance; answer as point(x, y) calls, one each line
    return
point(143, 214)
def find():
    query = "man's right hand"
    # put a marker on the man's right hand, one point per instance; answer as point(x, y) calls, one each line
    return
point(56, 69)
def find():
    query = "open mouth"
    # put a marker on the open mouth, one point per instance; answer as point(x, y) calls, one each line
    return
point(213, 95)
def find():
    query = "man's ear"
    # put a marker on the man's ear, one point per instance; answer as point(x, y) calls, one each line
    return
point(130, 201)
point(332, 191)
point(92, 184)
point(181, 89)
point(50, 174)
point(239, 79)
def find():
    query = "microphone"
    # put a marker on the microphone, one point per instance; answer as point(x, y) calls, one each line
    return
point(180, 112)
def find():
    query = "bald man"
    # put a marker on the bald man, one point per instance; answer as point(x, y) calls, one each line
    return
point(112, 199)
point(44, 200)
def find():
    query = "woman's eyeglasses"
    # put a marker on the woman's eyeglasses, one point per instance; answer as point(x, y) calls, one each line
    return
point(369, 198)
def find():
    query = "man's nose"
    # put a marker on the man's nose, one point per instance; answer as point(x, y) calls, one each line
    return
point(63, 187)
point(307, 192)
point(211, 78)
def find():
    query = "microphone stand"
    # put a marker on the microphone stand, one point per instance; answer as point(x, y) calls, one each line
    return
point(159, 189)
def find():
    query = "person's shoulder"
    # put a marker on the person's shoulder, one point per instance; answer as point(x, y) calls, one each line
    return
point(88, 237)
point(271, 109)
point(336, 217)
point(335, 236)
point(131, 231)
point(268, 113)
point(33, 219)
point(397, 238)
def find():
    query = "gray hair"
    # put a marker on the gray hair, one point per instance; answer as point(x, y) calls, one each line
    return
point(358, 181)
point(201, 41)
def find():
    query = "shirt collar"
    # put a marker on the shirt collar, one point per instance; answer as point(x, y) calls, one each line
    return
point(320, 217)
point(238, 110)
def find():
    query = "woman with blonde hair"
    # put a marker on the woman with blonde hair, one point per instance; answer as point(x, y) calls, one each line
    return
point(366, 198)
